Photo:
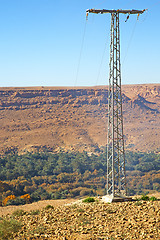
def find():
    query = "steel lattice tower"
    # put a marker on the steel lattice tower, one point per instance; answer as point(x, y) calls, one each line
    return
point(116, 177)
point(116, 180)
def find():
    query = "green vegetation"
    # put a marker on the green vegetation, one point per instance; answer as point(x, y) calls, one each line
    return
point(8, 228)
point(17, 201)
point(153, 198)
point(144, 198)
point(138, 203)
point(147, 198)
point(49, 207)
point(18, 213)
point(89, 200)
point(80, 210)
point(44, 175)
point(35, 212)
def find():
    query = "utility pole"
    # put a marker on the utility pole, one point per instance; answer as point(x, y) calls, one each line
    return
point(116, 175)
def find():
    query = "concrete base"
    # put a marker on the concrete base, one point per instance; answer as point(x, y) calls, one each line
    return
point(110, 198)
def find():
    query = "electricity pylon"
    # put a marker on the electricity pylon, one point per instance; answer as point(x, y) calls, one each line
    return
point(116, 176)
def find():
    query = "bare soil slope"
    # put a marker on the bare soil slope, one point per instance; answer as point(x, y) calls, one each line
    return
point(76, 118)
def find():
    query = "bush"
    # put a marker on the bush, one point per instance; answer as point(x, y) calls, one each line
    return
point(144, 198)
point(26, 198)
point(138, 203)
point(35, 212)
point(153, 198)
point(16, 201)
point(8, 228)
point(89, 200)
point(49, 207)
point(36, 196)
point(80, 210)
point(9, 198)
point(18, 213)
point(56, 195)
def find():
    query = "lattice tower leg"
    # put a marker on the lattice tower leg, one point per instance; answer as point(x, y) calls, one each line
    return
point(116, 177)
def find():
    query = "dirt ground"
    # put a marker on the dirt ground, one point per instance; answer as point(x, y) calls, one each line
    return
point(92, 221)
point(34, 206)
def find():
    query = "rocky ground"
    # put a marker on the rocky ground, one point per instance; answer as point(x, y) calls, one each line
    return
point(98, 220)
point(34, 206)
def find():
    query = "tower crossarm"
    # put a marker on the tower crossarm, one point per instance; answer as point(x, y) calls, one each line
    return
point(132, 11)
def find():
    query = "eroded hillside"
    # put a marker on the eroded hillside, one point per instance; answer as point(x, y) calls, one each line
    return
point(76, 118)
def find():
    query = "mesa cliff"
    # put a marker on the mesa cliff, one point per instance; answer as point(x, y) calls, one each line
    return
point(76, 118)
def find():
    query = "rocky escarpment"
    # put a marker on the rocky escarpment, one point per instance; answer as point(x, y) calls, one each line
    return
point(23, 99)
point(76, 118)
point(19, 98)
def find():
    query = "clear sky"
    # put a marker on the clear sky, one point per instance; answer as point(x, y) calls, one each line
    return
point(43, 43)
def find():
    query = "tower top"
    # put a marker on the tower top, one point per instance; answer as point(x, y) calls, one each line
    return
point(133, 11)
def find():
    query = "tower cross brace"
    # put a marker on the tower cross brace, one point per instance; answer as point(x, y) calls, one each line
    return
point(116, 175)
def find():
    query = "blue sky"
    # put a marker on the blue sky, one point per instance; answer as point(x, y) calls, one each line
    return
point(42, 44)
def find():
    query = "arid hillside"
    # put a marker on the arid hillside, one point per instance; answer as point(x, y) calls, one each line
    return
point(76, 118)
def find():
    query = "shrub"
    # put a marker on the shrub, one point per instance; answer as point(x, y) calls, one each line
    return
point(18, 213)
point(144, 197)
point(153, 198)
point(8, 228)
point(89, 200)
point(35, 196)
point(49, 207)
point(10, 197)
point(26, 197)
point(35, 212)
point(138, 203)
point(16, 201)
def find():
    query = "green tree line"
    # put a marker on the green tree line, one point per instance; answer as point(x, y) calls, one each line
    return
point(46, 175)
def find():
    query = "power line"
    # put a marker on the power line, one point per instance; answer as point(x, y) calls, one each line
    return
point(132, 34)
point(102, 59)
point(80, 55)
